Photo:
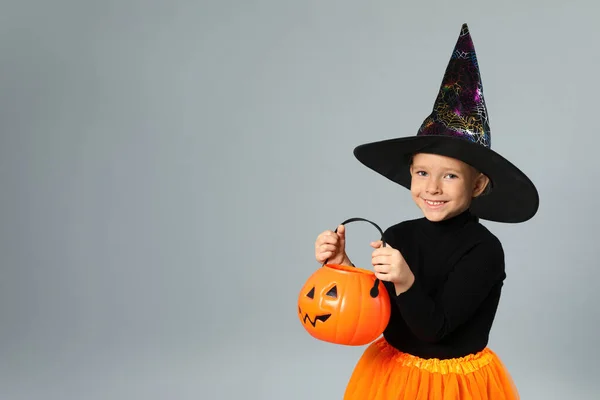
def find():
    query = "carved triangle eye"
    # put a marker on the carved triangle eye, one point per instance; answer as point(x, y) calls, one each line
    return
point(311, 294)
point(332, 292)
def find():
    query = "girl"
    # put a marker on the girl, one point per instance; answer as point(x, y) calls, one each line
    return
point(444, 272)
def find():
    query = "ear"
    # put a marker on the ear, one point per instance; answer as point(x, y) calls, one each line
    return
point(481, 182)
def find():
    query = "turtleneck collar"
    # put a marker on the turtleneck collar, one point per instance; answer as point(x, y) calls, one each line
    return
point(448, 225)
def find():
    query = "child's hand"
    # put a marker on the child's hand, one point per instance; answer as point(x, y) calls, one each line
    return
point(390, 266)
point(331, 247)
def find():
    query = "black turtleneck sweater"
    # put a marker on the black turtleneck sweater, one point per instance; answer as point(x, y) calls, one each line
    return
point(458, 266)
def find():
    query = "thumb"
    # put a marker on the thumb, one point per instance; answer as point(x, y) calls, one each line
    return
point(341, 231)
point(376, 244)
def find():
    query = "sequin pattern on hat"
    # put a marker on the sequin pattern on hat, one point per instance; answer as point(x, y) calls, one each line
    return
point(460, 109)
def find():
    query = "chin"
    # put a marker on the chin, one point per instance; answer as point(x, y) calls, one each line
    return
point(435, 217)
point(438, 215)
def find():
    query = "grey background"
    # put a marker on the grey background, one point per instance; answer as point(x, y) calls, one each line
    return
point(166, 166)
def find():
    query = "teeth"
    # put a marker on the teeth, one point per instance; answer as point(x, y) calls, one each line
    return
point(434, 203)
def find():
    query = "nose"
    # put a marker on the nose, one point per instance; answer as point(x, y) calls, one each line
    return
point(433, 186)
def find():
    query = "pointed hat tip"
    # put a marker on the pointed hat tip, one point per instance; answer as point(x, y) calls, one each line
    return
point(465, 28)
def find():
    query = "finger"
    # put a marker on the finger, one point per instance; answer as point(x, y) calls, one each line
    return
point(330, 254)
point(322, 257)
point(381, 269)
point(327, 247)
point(383, 277)
point(381, 260)
point(326, 233)
point(328, 238)
point(382, 251)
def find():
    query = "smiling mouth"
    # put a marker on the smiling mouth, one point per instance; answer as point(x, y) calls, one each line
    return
point(434, 203)
point(322, 318)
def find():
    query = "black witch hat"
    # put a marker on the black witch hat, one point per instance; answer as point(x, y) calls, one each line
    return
point(458, 127)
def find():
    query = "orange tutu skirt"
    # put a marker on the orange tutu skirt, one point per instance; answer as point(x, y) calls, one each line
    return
point(384, 373)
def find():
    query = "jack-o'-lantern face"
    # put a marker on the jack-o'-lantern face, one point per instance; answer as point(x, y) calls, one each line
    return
point(336, 305)
point(322, 312)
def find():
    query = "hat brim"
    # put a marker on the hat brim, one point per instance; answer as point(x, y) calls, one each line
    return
point(513, 197)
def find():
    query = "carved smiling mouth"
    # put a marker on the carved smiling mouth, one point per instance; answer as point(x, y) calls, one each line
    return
point(322, 318)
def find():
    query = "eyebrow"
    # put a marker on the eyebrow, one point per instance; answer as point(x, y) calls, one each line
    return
point(452, 170)
point(418, 166)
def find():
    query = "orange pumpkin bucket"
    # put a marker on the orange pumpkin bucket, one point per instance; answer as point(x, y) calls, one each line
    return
point(344, 304)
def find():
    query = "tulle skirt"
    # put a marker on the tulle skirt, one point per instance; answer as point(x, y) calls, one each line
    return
point(384, 373)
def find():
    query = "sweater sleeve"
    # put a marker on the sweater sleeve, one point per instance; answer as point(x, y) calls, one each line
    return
point(467, 286)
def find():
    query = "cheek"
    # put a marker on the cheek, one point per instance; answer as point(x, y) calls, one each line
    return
point(415, 187)
point(459, 192)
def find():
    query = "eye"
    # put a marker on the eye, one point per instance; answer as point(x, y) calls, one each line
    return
point(451, 176)
point(421, 173)
point(332, 292)
point(311, 294)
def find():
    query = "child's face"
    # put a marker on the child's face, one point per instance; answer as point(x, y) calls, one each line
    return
point(443, 187)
